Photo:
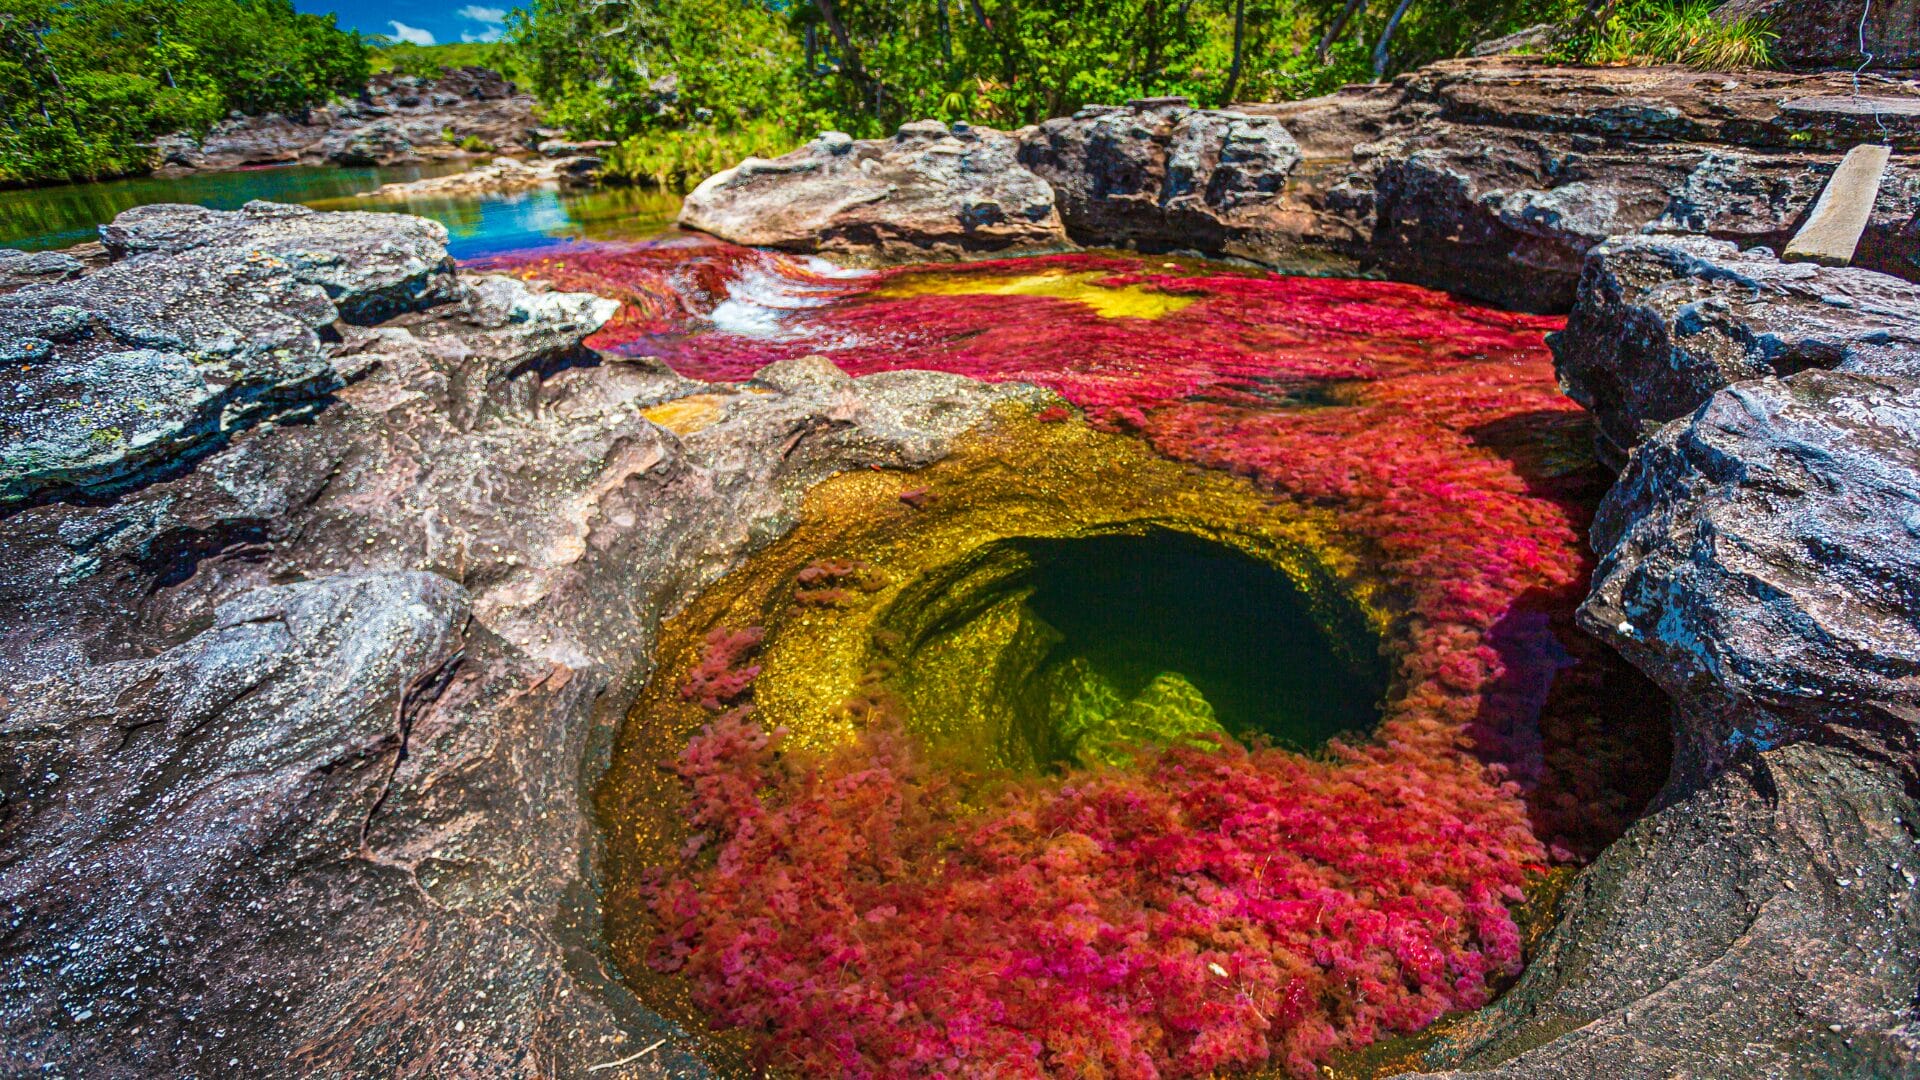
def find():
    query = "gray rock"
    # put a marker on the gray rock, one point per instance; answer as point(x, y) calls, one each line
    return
point(924, 192)
point(372, 266)
point(18, 268)
point(1760, 560)
point(1159, 173)
point(208, 321)
point(294, 743)
point(1662, 322)
point(381, 142)
point(1765, 924)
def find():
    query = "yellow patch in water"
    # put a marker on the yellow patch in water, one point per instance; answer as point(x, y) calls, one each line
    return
point(1109, 302)
point(684, 416)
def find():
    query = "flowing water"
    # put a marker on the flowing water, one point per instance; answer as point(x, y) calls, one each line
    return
point(59, 216)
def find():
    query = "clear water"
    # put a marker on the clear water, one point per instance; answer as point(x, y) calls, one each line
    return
point(35, 219)
point(1240, 631)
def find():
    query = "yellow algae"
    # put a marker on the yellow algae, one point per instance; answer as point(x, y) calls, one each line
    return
point(1108, 301)
point(684, 416)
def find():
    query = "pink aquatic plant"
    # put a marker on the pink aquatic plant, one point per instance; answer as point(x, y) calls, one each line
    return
point(871, 913)
point(723, 675)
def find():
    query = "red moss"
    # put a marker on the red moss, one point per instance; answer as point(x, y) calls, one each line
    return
point(723, 676)
point(872, 915)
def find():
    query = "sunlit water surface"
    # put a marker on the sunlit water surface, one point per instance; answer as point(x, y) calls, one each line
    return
point(36, 219)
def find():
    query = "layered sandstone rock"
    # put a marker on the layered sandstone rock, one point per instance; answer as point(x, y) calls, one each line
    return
point(928, 190)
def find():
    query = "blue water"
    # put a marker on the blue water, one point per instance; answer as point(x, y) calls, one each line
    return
point(63, 215)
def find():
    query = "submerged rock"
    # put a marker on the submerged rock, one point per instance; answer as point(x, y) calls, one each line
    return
point(927, 190)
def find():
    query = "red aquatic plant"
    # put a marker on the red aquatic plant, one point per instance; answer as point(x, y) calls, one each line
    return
point(1202, 911)
point(723, 675)
point(872, 914)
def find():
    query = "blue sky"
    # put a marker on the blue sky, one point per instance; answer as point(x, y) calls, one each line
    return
point(422, 21)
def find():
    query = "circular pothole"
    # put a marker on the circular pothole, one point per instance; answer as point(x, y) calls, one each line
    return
point(1059, 651)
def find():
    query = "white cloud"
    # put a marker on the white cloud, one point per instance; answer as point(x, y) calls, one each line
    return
point(412, 35)
point(491, 33)
point(483, 14)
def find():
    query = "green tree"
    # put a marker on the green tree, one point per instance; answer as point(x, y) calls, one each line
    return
point(86, 85)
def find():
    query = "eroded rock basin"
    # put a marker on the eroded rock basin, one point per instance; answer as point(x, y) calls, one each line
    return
point(945, 793)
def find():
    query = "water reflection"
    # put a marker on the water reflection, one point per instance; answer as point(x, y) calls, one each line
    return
point(61, 216)
point(489, 225)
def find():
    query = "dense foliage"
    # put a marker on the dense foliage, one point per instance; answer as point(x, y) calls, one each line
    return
point(429, 61)
point(1666, 32)
point(86, 84)
point(718, 68)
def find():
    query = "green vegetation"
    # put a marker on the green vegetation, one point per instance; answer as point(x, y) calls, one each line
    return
point(85, 85)
point(428, 61)
point(687, 85)
point(1667, 32)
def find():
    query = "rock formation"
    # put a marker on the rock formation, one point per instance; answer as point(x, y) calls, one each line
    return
point(927, 190)
point(332, 569)
point(1491, 177)
point(293, 740)
point(1758, 560)
point(503, 175)
point(397, 119)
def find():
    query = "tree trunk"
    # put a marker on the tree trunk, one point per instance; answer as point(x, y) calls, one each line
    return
point(1239, 50)
point(1386, 39)
point(850, 56)
point(1354, 8)
point(946, 36)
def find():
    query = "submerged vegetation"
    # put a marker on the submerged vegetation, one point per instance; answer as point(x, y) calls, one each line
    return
point(86, 85)
point(841, 867)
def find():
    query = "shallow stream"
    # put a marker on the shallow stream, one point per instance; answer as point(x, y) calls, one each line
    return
point(1225, 712)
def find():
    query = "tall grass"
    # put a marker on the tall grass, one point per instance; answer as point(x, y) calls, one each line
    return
point(1657, 32)
point(679, 160)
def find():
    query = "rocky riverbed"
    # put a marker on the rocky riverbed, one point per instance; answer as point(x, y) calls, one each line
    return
point(333, 569)
point(398, 119)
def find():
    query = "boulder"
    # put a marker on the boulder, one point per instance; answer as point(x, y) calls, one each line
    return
point(1663, 322)
point(928, 190)
point(382, 142)
point(1758, 559)
point(1159, 174)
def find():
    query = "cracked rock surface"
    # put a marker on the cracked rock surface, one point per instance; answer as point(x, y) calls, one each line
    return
point(1760, 560)
point(296, 721)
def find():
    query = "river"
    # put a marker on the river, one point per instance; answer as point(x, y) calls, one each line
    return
point(35, 219)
